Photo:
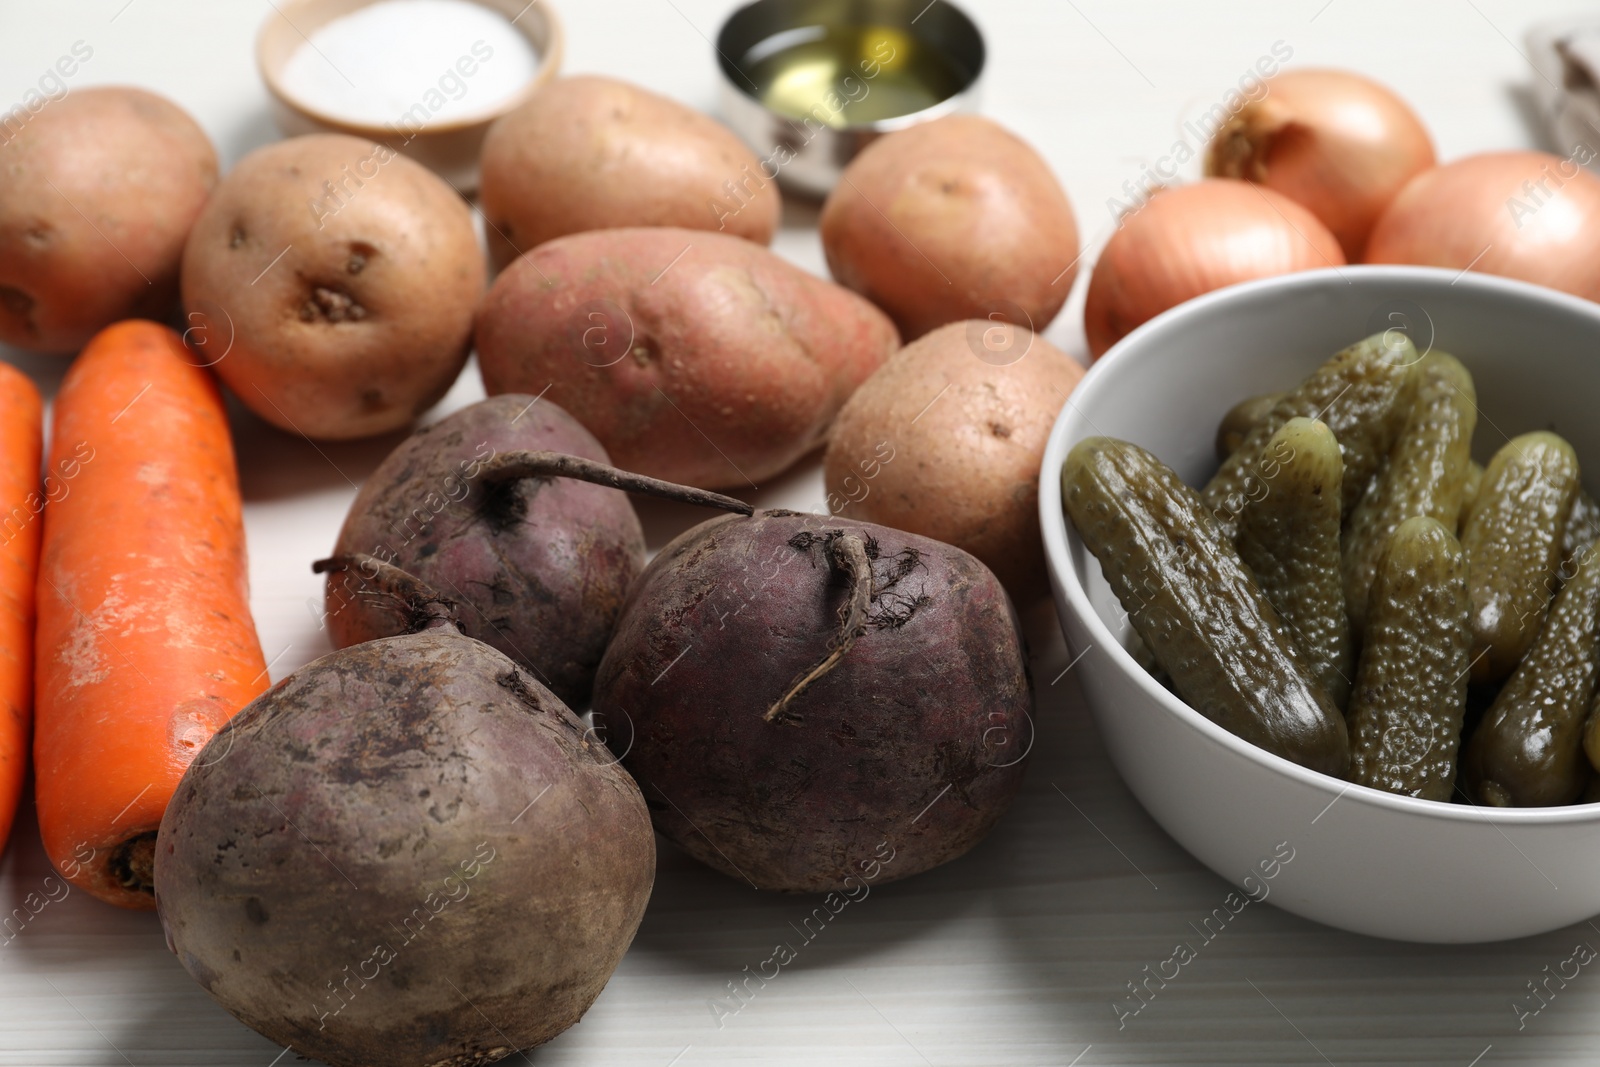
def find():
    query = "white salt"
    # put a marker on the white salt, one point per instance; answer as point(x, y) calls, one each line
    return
point(411, 64)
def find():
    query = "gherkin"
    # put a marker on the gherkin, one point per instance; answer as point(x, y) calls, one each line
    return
point(1289, 539)
point(1238, 420)
point(1197, 606)
point(1424, 474)
point(1469, 493)
point(1528, 751)
point(1362, 394)
point(1582, 528)
point(1411, 686)
point(1513, 538)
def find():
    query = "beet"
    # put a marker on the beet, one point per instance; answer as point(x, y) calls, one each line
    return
point(539, 564)
point(408, 852)
point(808, 695)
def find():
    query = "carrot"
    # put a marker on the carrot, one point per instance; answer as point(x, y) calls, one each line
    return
point(21, 418)
point(145, 642)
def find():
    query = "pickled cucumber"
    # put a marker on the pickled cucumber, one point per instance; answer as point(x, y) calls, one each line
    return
point(1582, 528)
point(1411, 687)
point(1362, 393)
point(1528, 750)
point(1513, 539)
point(1289, 539)
point(1591, 792)
point(1196, 605)
point(1425, 474)
point(1146, 659)
point(1591, 733)
point(1469, 493)
point(1238, 420)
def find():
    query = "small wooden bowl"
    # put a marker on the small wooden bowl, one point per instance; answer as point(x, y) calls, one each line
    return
point(449, 148)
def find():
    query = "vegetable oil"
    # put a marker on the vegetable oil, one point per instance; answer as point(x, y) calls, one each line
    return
point(843, 76)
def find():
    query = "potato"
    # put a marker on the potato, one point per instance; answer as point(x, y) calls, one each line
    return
point(332, 281)
point(591, 153)
point(98, 190)
point(952, 219)
point(694, 357)
point(946, 441)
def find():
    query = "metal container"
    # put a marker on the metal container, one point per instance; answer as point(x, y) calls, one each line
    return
point(808, 83)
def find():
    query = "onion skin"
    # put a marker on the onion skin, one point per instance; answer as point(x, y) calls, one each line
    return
point(1191, 239)
point(1338, 144)
point(1489, 212)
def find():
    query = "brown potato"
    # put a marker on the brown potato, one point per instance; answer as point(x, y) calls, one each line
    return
point(952, 219)
point(98, 190)
point(331, 282)
point(592, 153)
point(695, 357)
point(946, 441)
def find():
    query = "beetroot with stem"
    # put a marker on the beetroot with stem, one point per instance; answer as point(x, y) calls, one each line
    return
point(495, 507)
point(408, 852)
point(792, 692)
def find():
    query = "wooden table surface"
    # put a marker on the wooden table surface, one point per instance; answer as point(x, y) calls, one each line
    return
point(1018, 953)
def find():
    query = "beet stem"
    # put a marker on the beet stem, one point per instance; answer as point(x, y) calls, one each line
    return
point(425, 607)
point(509, 466)
point(849, 554)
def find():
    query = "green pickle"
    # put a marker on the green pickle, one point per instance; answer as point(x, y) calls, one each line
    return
point(1147, 660)
point(1591, 792)
point(1591, 738)
point(1582, 529)
point(1197, 606)
point(1362, 393)
point(1425, 474)
point(1469, 493)
point(1513, 538)
point(1528, 751)
point(1289, 539)
point(1238, 420)
point(1411, 687)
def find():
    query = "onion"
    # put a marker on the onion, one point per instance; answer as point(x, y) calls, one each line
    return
point(1527, 215)
point(1334, 142)
point(1192, 239)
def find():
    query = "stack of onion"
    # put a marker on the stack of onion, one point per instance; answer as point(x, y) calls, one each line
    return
point(1191, 239)
point(1340, 145)
point(1527, 215)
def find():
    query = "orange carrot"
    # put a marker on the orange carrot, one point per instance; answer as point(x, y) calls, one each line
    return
point(145, 641)
point(21, 416)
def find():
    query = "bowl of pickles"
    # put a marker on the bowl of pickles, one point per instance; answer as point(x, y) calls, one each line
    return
point(1328, 549)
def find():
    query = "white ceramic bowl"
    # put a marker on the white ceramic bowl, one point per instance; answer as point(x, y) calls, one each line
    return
point(1363, 860)
point(450, 148)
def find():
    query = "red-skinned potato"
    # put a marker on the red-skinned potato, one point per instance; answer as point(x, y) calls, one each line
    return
point(694, 357)
point(98, 190)
point(594, 153)
point(331, 283)
point(952, 219)
point(963, 414)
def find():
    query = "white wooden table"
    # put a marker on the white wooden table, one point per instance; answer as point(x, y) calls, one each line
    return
point(1015, 954)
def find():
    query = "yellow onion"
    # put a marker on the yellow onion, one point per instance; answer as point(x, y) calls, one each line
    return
point(1527, 215)
point(1192, 239)
point(1338, 144)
